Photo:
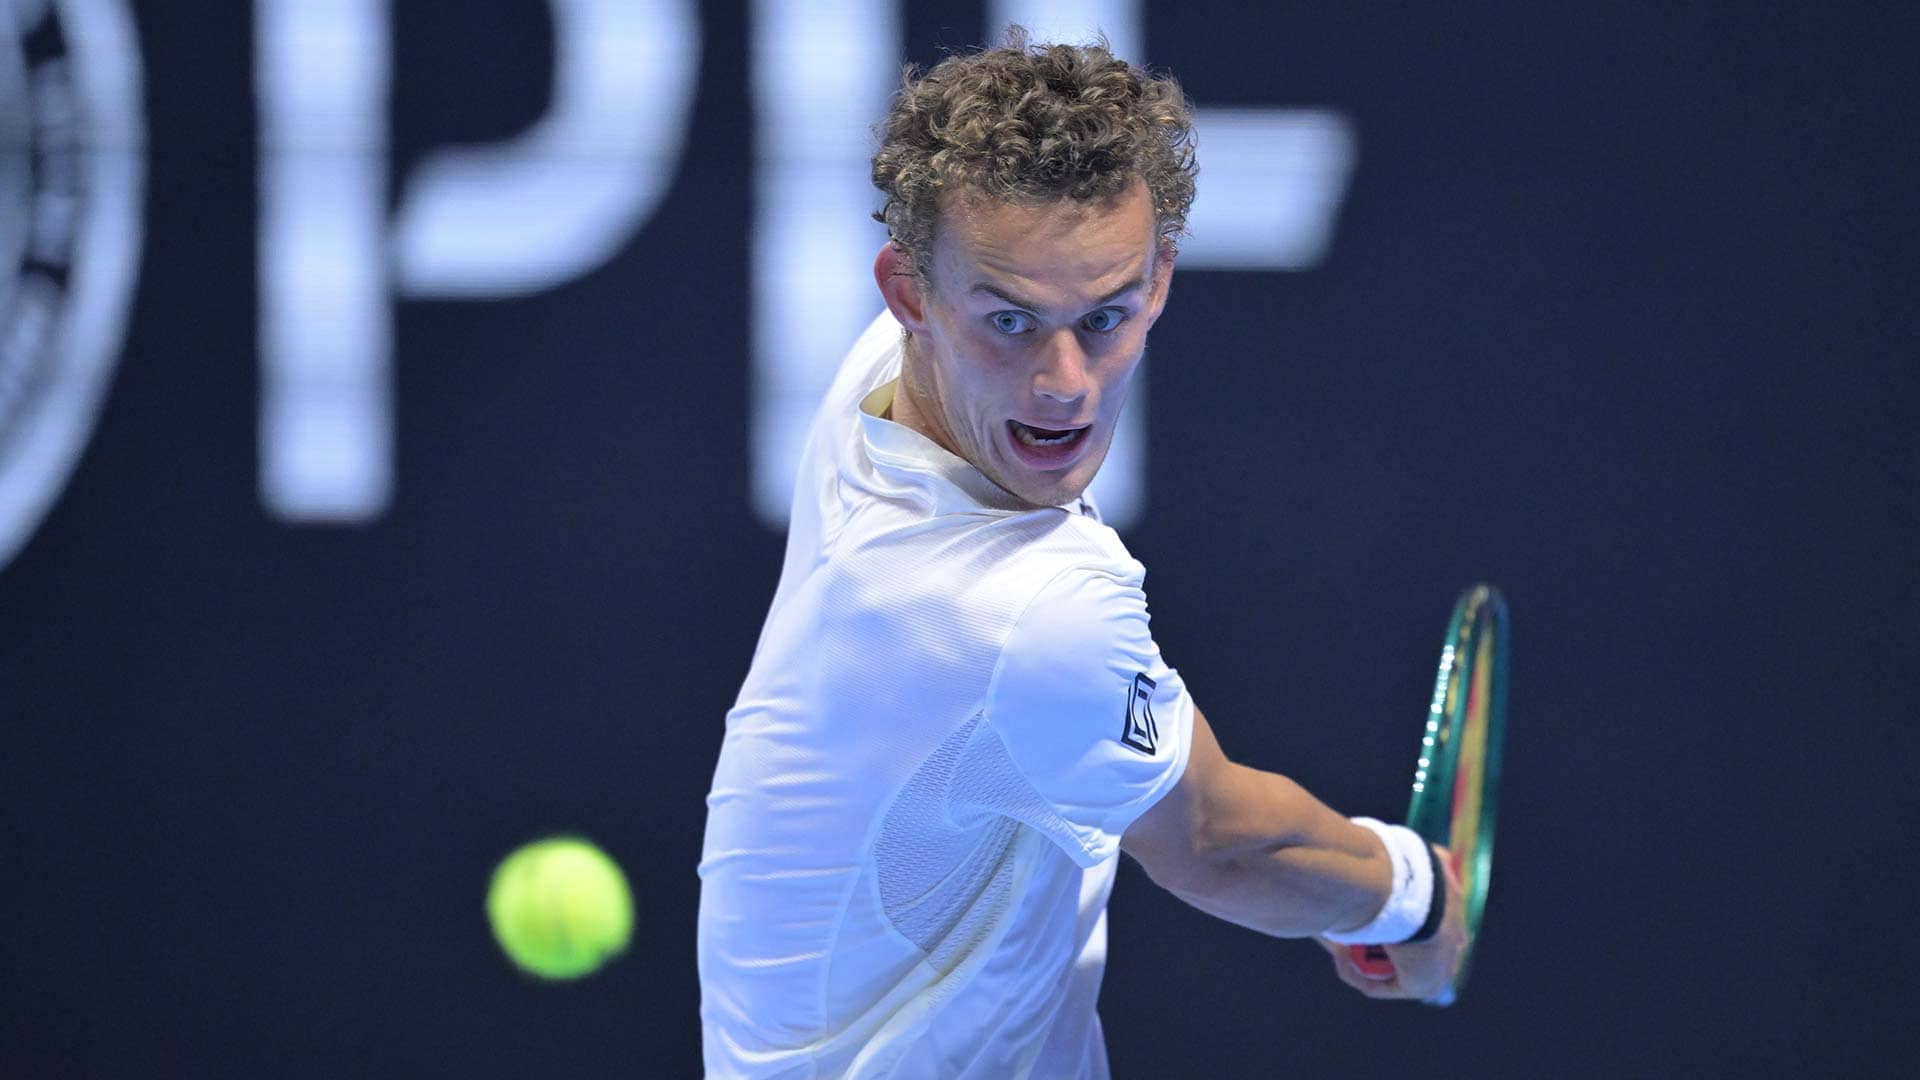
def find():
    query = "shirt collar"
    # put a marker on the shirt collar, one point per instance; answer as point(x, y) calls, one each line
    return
point(895, 446)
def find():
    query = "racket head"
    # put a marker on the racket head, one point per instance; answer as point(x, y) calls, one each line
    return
point(1456, 781)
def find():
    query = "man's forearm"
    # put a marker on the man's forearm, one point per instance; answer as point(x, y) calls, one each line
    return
point(1323, 874)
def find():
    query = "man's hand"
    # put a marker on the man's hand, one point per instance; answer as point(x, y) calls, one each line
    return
point(1423, 971)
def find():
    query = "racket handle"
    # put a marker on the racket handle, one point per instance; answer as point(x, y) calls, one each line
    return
point(1372, 961)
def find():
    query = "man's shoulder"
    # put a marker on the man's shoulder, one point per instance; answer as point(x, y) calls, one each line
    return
point(1005, 545)
point(1062, 542)
point(978, 570)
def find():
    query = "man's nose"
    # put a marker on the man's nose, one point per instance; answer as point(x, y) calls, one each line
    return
point(1063, 369)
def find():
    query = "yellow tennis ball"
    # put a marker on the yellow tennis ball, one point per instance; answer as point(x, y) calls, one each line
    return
point(560, 908)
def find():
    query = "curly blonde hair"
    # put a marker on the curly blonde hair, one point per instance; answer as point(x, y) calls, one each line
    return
point(1031, 125)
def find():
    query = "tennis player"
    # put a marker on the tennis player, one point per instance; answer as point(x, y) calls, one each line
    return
point(956, 717)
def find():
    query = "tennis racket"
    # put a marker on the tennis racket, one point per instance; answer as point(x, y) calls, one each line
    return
point(1456, 782)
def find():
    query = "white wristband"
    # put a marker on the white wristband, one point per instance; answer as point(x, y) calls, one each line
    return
point(1406, 906)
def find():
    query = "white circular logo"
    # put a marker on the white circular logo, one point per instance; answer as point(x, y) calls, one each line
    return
point(72, 165)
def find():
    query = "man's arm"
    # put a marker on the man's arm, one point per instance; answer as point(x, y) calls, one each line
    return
point(1259, 850)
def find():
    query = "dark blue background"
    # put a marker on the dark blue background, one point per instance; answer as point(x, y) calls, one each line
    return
point(1619, 314)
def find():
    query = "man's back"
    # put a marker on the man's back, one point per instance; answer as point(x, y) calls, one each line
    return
point(912, 827)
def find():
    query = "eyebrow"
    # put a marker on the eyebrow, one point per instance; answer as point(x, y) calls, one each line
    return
point(1019, 301)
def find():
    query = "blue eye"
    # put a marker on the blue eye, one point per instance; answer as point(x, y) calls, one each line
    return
point(1009, 322)
point(1104, 321)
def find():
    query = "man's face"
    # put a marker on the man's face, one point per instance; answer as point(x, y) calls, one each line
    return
point(1026, 338)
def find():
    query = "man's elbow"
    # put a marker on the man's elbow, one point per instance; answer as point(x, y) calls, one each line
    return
point(1195, 860)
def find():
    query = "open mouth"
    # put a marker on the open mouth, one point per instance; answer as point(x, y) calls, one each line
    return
point(1046, 438)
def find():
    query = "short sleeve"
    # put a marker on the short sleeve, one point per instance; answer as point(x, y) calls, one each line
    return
point(1088, 714)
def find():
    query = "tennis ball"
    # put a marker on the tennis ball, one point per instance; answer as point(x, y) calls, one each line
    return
point(560, 908)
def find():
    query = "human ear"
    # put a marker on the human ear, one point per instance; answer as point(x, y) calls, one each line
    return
point(900, 286)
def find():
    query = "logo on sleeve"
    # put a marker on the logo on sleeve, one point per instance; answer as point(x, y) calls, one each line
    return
point(1141, 732)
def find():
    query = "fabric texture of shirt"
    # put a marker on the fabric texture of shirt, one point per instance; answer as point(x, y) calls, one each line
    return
point(954, 711)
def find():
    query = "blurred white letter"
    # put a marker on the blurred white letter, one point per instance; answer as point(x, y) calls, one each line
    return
point(505, 220)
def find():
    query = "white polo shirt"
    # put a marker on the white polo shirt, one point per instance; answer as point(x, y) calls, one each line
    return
point(954, 712)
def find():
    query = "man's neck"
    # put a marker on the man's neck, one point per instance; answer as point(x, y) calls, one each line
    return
point(907, 410)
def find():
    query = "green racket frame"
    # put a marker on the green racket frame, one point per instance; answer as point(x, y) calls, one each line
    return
point(1452, 805)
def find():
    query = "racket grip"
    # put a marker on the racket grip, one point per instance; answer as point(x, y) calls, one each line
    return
point(1372, 961)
